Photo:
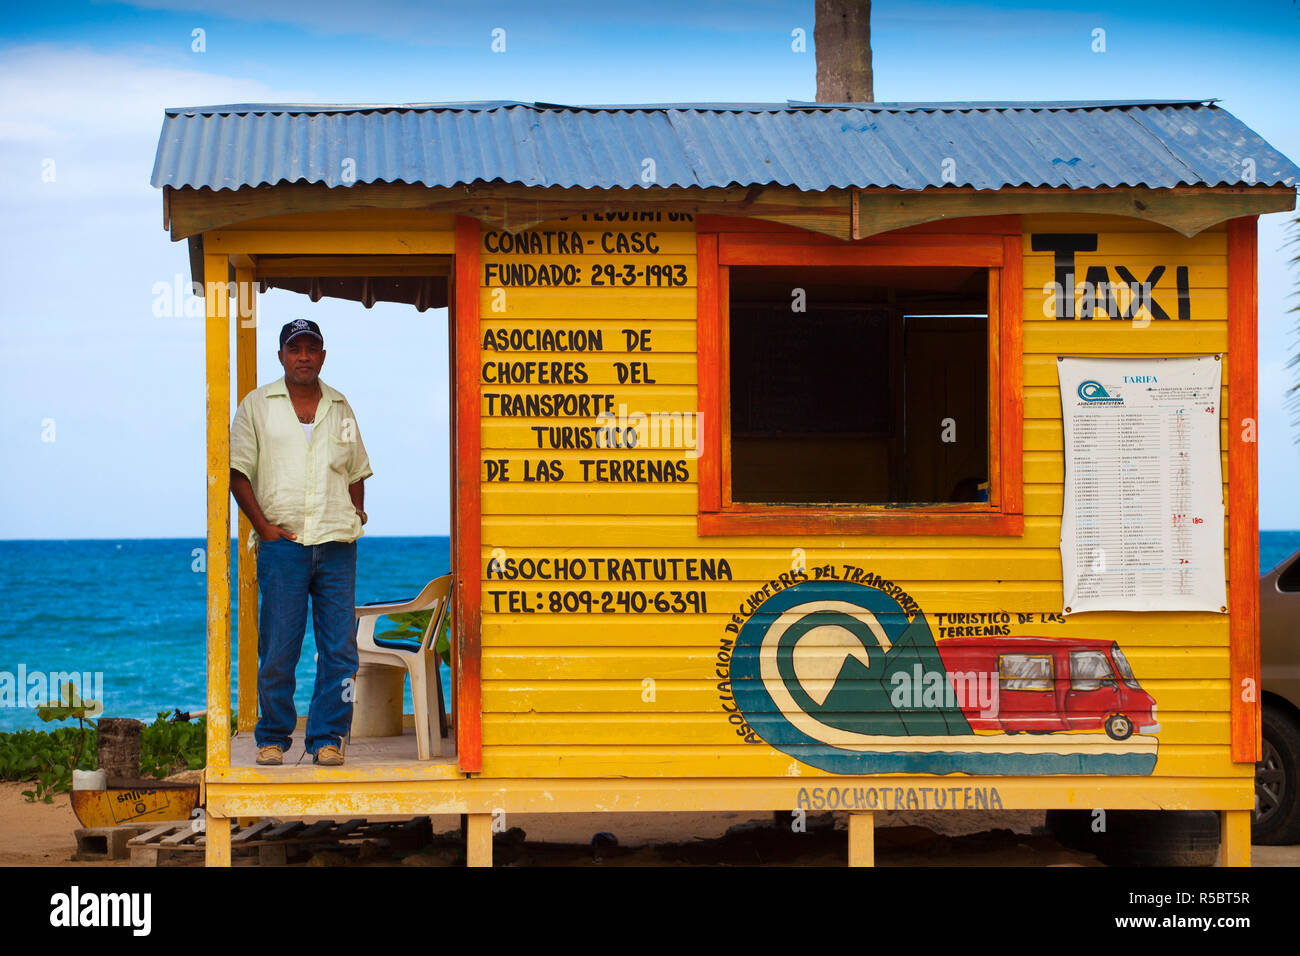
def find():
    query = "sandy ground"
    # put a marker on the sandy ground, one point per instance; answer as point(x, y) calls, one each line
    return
point(39, 834)
point(36, 834)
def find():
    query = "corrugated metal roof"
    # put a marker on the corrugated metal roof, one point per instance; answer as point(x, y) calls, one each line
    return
point(811, 146)
point(475, 105)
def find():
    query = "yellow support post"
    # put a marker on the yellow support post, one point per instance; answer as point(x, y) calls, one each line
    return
point(246, 374)
point(862, 839)
point(478, 840)
point(216, 850)
point(217, 347)
point(1234, 838)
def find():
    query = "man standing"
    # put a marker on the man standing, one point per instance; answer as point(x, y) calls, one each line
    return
point(298, 471)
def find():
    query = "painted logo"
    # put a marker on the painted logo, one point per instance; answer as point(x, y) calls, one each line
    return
point(847, 677)
point(1093, 391)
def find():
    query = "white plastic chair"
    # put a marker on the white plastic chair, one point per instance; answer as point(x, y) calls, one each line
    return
point(420, 661)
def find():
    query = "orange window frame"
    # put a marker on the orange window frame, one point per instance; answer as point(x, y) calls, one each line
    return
point(994, 244)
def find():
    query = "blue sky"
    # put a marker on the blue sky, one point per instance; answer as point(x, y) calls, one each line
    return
point(84, 86)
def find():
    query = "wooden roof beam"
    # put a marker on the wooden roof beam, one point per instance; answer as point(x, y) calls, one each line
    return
point(839, 213)
point(1185, 209)
point(508, 207)
point(293, 267)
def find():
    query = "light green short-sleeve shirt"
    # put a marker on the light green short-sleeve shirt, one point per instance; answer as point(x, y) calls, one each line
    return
point(301, 486)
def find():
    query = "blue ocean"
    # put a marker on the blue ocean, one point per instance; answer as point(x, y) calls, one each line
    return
point(135, 610)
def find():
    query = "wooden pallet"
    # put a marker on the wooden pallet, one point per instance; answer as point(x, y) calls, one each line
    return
point(272, 843)
point(106, 843)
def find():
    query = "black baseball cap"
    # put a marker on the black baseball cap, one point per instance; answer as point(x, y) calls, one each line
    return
point(299, 327)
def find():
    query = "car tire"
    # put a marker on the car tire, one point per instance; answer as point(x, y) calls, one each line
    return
point(1119, 727)
point(1277, 785)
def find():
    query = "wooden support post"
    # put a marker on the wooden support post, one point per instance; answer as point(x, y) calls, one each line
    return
point(216, 294)
point(246, 374)
point(1234, 838)
point(216, 851)
point(862, 839)
point(478, 840)
point(1243, 490)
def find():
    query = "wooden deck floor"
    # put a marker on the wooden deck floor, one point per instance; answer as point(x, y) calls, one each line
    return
point(361, 752)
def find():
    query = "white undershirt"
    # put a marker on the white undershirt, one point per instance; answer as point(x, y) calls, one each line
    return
point(306, 430)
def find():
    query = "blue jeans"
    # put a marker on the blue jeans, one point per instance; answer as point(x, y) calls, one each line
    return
point(287, 572)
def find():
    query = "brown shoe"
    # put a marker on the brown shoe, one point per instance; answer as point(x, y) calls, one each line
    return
point(270, 755)
point(329, 756)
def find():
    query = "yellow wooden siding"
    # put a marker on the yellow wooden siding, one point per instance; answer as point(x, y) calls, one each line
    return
point(672, 531)
point(633, 759)
point(632, 303)
point(670, 369)
point(594, 272)
point(565, 693)
point(666, 728)
point(1012, 594)
point(1176, 632)
point(632, 663)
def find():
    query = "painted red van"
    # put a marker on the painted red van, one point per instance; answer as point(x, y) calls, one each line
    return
point(1050, 684)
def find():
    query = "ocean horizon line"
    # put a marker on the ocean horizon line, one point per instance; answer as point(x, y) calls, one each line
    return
point(447, 534)
point(196, 537)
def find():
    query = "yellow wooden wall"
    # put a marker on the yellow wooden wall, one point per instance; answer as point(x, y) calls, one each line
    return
point(628, 694)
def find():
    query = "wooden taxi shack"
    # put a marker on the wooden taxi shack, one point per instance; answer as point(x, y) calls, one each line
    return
point(806, 456)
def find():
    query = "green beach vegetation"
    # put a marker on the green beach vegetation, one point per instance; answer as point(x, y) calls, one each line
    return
point(47, 758)
point(411, 626)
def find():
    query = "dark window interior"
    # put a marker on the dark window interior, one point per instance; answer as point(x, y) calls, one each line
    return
point(846, 402)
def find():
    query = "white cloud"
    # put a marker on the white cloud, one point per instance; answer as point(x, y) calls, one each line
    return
point(78, 341)
point(97, 116)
